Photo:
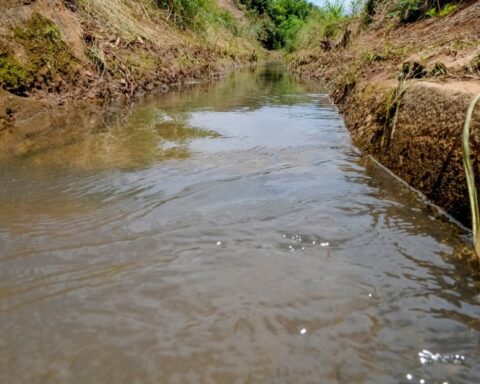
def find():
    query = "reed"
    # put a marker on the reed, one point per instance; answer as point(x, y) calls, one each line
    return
point(467, 163)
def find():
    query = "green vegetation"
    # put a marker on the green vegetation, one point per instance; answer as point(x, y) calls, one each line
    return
point(445, 11)
point(278, 21)
point(43, 42)
point(197, 14)
point(46, 61)
point(439, 69)
point(97, 57)
point(408, 11)
point(474, 65)
point(332, 18)
point(470, 175)
point(13, 77)
point(48, 57)
point(323, 23)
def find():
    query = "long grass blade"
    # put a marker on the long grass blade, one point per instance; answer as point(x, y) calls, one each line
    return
point(467, 163)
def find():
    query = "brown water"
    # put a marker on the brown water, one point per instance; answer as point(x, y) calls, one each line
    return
point(227, 234)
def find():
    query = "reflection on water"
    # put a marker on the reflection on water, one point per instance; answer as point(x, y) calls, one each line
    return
point(226, 233)
point(154, 130)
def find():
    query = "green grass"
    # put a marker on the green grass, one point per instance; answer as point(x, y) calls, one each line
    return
point(445, 11)
point(408, 11)
point(324, 22)
point(470, 175)
point(277, 22)
point(13, 76)
point(198, 14)
point(46, 56)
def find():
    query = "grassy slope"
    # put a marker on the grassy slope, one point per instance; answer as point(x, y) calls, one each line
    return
point(379, 51)
point(412, 126)
point(105, 48)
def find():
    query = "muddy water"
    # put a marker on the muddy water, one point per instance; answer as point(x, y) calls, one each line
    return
point(227, 234)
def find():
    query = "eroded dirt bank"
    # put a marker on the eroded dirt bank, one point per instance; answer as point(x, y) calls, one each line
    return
point(57, 52)
point(404, 91)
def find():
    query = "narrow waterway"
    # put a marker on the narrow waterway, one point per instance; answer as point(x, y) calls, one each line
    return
point(228, 233)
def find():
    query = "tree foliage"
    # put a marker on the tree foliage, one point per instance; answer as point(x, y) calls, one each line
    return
point(279, 20)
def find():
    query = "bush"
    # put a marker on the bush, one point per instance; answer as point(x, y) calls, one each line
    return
point(445, 11)
point(197, 14)
point(279, 20)
point(409, 11)
point(323, 23)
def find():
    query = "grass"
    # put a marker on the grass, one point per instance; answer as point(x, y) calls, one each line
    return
point(43, 42)
point(118, 17)
point(47, 57)
point(474, 65)
point(408, 11)
point(197, 15)
point(387, 52)
point(324, 22)
point(152, 21)
point(97, 57)
point(125, 16)
point(188, 29)
point(13, 76)
point(442, 12)
point(472, 189)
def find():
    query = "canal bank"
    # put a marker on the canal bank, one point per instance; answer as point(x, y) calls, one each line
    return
point(61, 60)
point(404, 91)
point(227, 233)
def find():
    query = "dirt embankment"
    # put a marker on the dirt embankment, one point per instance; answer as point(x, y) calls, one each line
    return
point(53, 52)
point(404, 91)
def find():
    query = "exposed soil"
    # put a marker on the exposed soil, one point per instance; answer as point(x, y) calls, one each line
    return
point(404, 91)
point(55, 52)
point(61, 50)
point(230, 6)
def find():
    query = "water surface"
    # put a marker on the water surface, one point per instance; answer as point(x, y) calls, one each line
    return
point(227, 234)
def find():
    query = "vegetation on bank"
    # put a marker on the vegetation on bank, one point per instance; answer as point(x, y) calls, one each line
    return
point(277, 22)
point(197, 14)
point(102, 48)
point(402, 72)
point(333, 17)
point(408, 11)
point(48, 57)
point(140, 44)
point(323, 44)
point(295, 24)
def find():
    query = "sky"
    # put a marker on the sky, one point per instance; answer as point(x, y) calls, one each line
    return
point(320, 2)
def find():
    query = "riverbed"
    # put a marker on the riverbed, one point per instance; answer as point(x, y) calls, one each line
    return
point(227, 233)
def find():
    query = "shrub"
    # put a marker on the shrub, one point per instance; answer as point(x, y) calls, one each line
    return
point(408, 11)
point(445, 11)
point(323, 23)
point(412, 10)
point(197, 14)
point(279, 20)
